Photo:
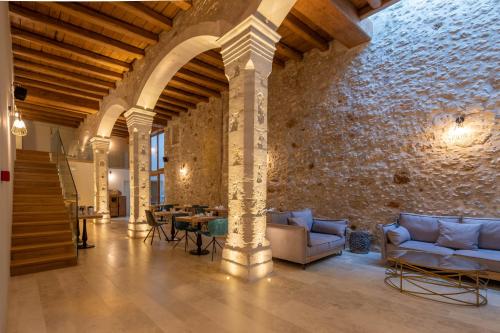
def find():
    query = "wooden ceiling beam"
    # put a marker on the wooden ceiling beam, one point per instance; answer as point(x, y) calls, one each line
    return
point(60, 82)
point(176, 101)
point(167, 112)
point(37, 95)
point(51, 120)
point(201, 79)
point(303, 31)
point(184, 5)
point(339, 18)
point(184, 95)
point(288, 51)
point(206, 69)
point(51, 109)
point(211, 57)
point(20, 63)
point(192, 87)
point(146, 13)
point(29, 83)
point(64, 62)
point(172, 107)
point(89, 15)
point(74, 30)
point(68, 117)
point(368, 10)
point(63, 47)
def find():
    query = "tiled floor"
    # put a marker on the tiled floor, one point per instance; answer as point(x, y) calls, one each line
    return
point(125, 285)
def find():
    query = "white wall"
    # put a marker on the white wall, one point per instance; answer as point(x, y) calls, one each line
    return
point(7, 152)
point(40, 134)
point(83, 174)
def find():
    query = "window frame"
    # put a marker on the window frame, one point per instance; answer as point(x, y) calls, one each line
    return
point(158, 171)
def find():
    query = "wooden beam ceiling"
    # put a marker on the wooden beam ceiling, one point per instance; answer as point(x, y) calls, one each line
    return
point(146, 13)
point(92, 16)
point(303, 31)
point(29, 83)
point(76, 31)
point(60, 82)
point(20, 63)
point(44, 97)
point(184, 5)
point(369, 10)
point(339, 18)
point(57, 45)
point(64, 62)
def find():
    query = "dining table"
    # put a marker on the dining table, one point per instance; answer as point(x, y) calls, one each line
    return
point(217, 210)
point(197, 220)
point(169, 214)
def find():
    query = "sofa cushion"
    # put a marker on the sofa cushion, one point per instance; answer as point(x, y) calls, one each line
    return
point(458, 235)
point(324, 243)
point(299, 221)
point(330, 227)
point(427, 247)
point(278, 217)
point(489, 235)
point(489, 258)
point(306, 214)
point(398, 235)
point(424, 228)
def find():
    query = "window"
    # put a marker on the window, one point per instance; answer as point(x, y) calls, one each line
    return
point(156, 175)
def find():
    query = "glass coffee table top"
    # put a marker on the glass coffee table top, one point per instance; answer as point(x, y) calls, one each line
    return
point(435, 261)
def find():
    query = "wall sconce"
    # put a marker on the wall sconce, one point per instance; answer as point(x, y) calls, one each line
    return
point(183, 170)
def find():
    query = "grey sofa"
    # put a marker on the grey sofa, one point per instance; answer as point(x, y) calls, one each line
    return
point(424, 232)
point(303, 244)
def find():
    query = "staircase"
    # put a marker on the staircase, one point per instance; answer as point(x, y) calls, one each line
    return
point(41, 228)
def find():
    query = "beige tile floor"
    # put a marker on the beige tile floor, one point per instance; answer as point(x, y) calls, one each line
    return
point(125, 285)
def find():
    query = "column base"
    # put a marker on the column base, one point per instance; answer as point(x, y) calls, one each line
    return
point(137, 229)
point(246, 263)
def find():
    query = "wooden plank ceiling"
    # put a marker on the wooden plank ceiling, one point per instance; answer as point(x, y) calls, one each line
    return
point(70, 54)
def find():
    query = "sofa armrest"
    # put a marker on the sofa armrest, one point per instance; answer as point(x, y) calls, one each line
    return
point(330, 226)
point(288, 242)
point(382, 230)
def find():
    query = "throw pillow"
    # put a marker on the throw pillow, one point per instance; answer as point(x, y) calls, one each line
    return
point(458, 236)
point(306, 214)
point(300, 222)
point(329, 227)
point(398, 235)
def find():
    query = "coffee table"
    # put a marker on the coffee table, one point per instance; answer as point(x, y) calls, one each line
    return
point(443, 278)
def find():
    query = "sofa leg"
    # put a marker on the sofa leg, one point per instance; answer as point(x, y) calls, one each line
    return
point(304, 266)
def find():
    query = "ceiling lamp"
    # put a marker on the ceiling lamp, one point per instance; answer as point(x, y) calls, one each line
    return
point(19, 127)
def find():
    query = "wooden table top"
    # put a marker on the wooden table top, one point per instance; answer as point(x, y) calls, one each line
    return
point(213, 209)
point(196, 219)
point(91, 216)
point(169, 213)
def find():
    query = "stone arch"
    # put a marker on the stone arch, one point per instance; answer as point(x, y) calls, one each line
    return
point(110, 113)
point(180, 50)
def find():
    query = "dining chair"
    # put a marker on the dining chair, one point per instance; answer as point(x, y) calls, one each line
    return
point(216, 228)
point(155, 226)
point(185, 227)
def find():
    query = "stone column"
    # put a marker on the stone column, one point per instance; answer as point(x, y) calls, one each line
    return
point(139, 123)
point(247, 51)
point(100, 149)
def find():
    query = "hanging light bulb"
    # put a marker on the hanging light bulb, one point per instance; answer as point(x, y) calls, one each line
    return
point(18, 127)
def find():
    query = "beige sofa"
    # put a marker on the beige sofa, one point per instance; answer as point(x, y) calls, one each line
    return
point(304, 244)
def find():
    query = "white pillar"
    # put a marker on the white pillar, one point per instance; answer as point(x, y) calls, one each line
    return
point(100, 149)
point(139, 123)
point(247, 51)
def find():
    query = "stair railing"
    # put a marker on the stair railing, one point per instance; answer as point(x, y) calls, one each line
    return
point(68, 186)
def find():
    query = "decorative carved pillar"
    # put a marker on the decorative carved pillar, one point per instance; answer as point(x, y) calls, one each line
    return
point(139, 123)
point(247, 51)
point(100, 148)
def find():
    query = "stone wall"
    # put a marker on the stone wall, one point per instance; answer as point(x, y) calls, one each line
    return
point(196, 172)
point(368, 132)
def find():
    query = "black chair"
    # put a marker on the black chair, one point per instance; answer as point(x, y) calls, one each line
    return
point(155, 226)
point(185, 227)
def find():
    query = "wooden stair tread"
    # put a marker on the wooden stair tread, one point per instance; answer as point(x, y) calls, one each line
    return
point(40, 234)
point(29, 247)
point(36, 223)
point(42, 259)
point(39, 213)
